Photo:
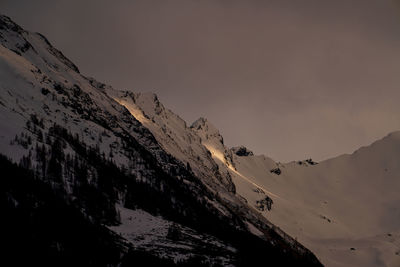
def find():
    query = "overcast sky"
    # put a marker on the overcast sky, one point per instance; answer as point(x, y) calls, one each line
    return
point(289, 79)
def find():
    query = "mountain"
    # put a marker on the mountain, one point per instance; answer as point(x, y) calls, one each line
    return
point(93, 176)
point(320, 204)
point(345, 209)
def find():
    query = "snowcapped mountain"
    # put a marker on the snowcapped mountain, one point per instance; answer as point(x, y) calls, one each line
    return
point(173, 135)
point(345, 209)
point(119, 180)
point(319, 204)
point(126, 179)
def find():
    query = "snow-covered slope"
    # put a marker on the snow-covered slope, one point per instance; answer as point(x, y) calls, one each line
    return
point(173, 134)
point(167, 239)
point(72, 130)
point(346, 209)
point(213, 141)
point(99, 150)
point(200, 147)
point(323, 205)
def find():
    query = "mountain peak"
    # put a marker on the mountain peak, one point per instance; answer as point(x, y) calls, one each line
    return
point(204, 125)
point(199, 122)
point(206, 130)
point(7, 23)
point(149, 96)
point(382, 149)
point(34, 47)
point(148, 103)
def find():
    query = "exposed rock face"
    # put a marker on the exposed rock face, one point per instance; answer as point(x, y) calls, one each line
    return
point(242, 151)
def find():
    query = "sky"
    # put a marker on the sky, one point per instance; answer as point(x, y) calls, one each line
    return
point(288, 79)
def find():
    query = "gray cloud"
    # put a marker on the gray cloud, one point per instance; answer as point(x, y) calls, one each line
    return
point(290, 79)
